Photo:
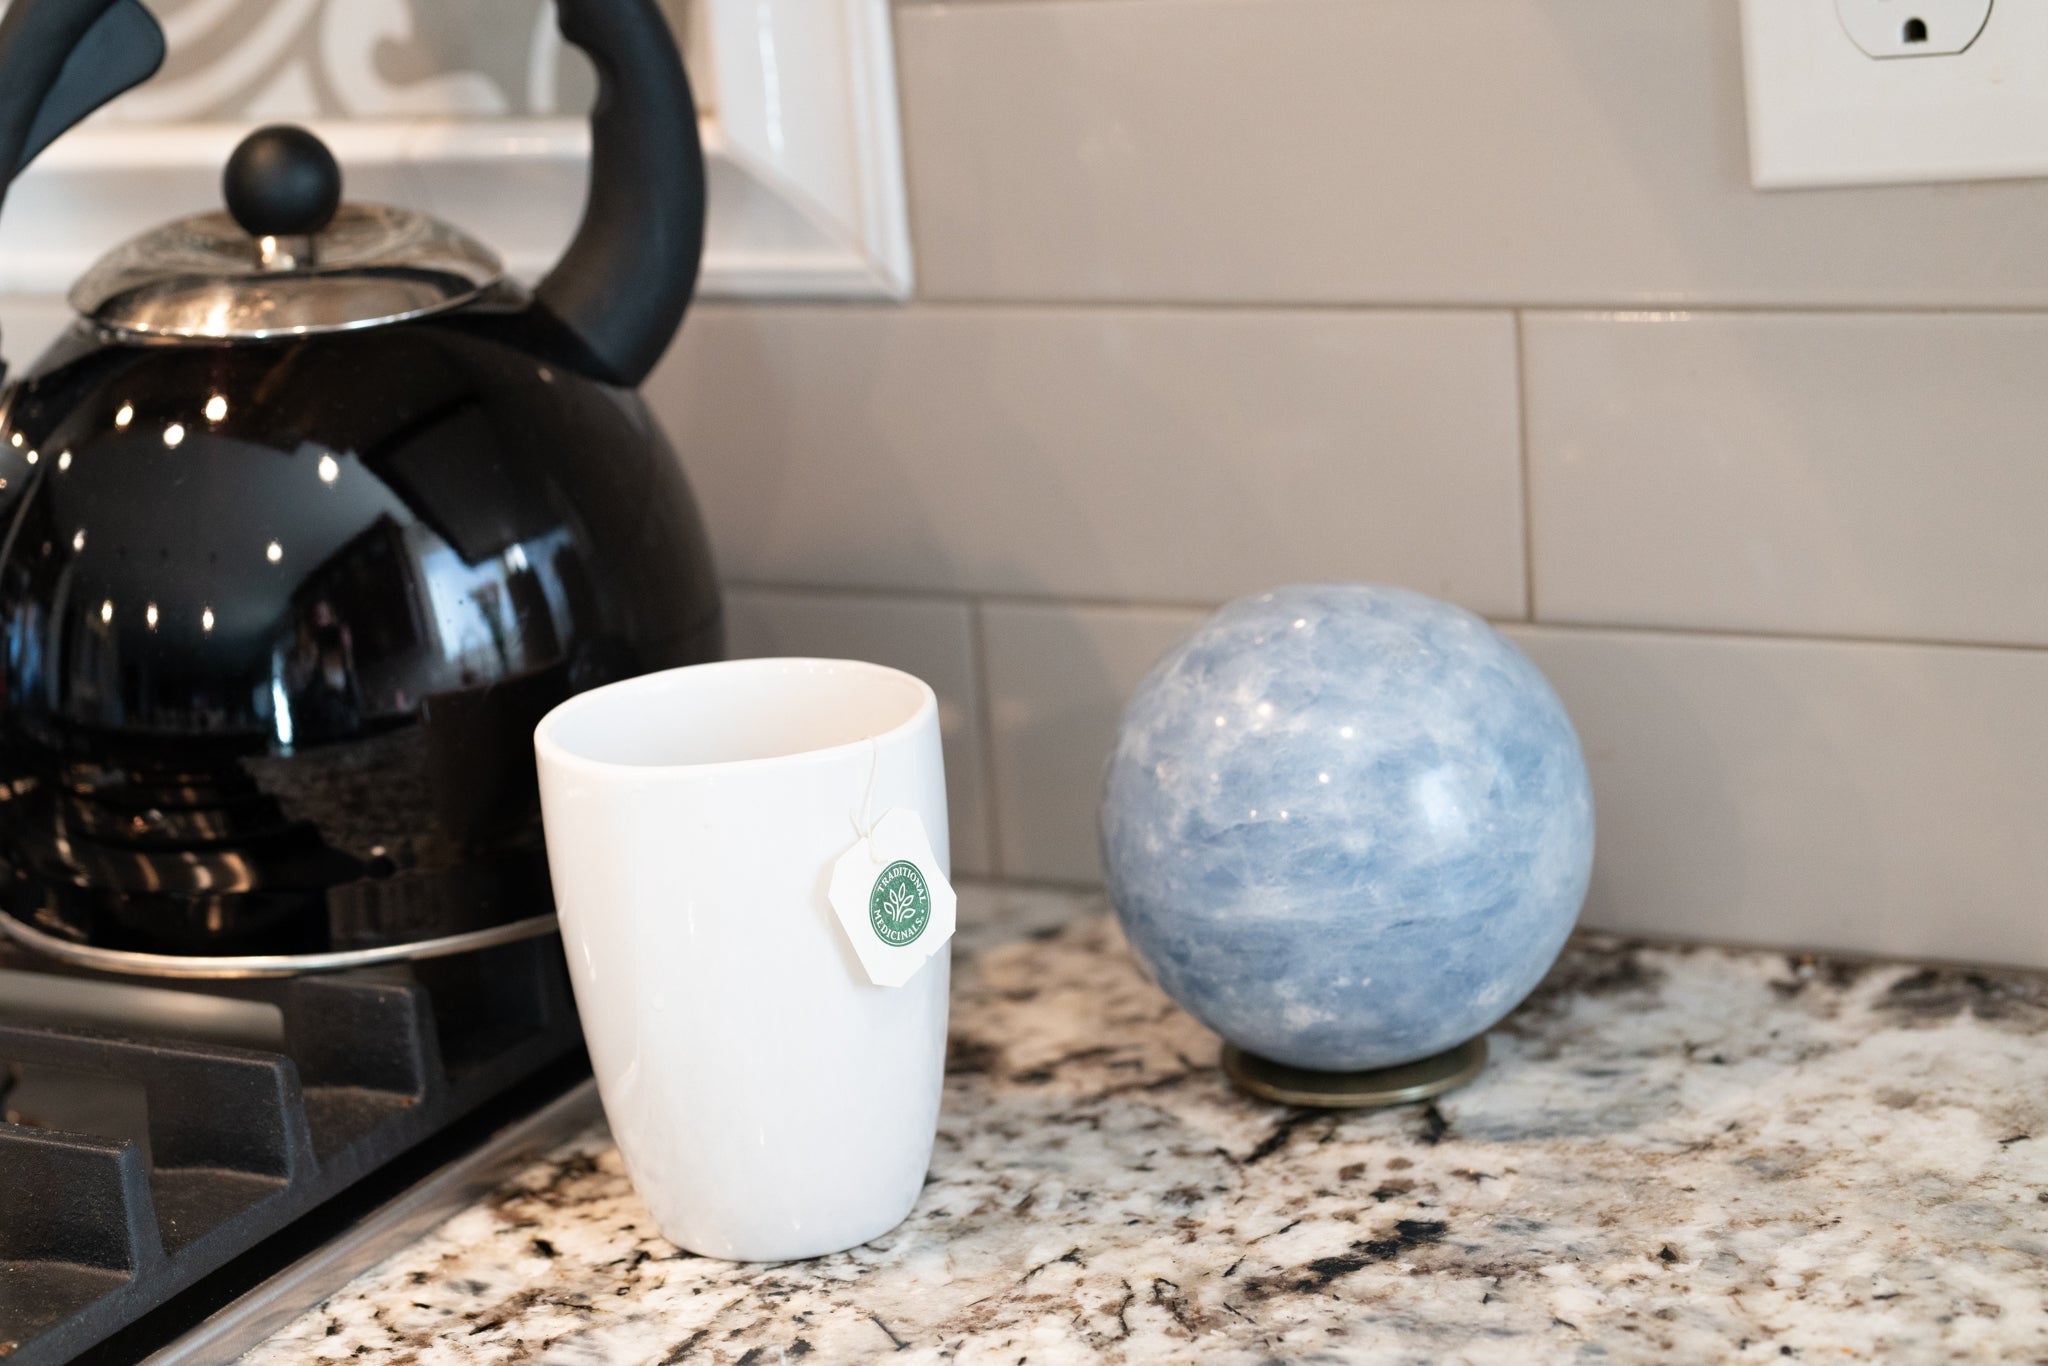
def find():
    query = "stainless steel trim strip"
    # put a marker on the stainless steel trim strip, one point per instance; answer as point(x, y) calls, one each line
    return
point(135, 964)
point(263, 1311)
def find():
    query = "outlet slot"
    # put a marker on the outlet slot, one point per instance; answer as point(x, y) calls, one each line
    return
point(1913, 28)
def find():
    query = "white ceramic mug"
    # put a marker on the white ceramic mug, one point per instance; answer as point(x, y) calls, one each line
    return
point(770, 1102)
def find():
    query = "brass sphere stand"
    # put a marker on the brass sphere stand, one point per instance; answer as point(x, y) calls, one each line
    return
point(1402, 1085)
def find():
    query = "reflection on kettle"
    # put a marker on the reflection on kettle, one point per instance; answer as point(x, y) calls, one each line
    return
point(313, 682)
point(313, 514)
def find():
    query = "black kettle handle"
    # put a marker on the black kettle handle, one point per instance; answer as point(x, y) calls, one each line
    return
point(626, 279)
point(61, 61)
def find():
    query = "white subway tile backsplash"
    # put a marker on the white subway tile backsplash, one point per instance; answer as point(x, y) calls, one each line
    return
point(1139, 373)
point(1853, 474)
point(1570, 152)
point(931, 638)
point(1058, 677)
point(1169, 455)
point(1215, 295)
point(1869, 797)
point(1874, 797)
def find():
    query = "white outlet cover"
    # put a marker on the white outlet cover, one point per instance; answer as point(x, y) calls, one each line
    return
point(1913, 28)
point(1822, 111)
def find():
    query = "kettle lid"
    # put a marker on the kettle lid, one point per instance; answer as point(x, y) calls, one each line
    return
point(287, 259)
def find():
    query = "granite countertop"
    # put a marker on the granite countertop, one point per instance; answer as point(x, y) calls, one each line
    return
point(1693, 1153)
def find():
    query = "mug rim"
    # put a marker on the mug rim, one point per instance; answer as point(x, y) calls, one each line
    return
point(549, 750)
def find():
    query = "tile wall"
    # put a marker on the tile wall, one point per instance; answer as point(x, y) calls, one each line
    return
point(1471, 297)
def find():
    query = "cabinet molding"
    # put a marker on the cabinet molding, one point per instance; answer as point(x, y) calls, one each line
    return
point(797, 113)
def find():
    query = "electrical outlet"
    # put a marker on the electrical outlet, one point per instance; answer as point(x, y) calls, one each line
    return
point(1832, 100)
point(1913, 28)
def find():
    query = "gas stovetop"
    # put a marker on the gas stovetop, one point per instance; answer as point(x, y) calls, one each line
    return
point(164, 1147)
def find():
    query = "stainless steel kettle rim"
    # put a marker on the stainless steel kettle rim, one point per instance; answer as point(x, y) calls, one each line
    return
point(204, 279)
point(618, 291)
point(131, 963)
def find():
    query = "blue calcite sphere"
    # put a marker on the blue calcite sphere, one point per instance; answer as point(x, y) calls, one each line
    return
point(1346, 826)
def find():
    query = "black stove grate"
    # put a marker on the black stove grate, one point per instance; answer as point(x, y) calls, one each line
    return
point(134, 1161)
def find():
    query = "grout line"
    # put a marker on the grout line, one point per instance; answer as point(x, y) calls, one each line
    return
point(1080, 305)
point(972, 596)
point(1553, 625)
point(1635, 307)
point(847, 590)
point(902, 5)
point(979, 601)
point(984, 696)
point(1038, 884)
point(1522, 450)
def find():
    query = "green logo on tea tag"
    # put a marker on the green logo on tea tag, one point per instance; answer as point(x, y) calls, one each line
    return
point(900, 906)
point(890, 895)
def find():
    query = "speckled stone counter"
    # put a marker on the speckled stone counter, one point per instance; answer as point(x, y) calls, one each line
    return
point(1688, 1154)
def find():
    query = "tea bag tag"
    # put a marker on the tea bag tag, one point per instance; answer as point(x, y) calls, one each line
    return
point(891, 899)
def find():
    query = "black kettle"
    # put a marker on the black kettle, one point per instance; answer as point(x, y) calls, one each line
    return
point(311, 516)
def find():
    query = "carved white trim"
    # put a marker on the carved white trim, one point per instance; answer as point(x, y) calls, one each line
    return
point(799, 126)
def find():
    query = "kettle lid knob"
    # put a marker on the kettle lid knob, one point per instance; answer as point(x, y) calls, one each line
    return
point(282, 182)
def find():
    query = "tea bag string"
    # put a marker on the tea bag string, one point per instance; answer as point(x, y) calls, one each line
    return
point(864, 821)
